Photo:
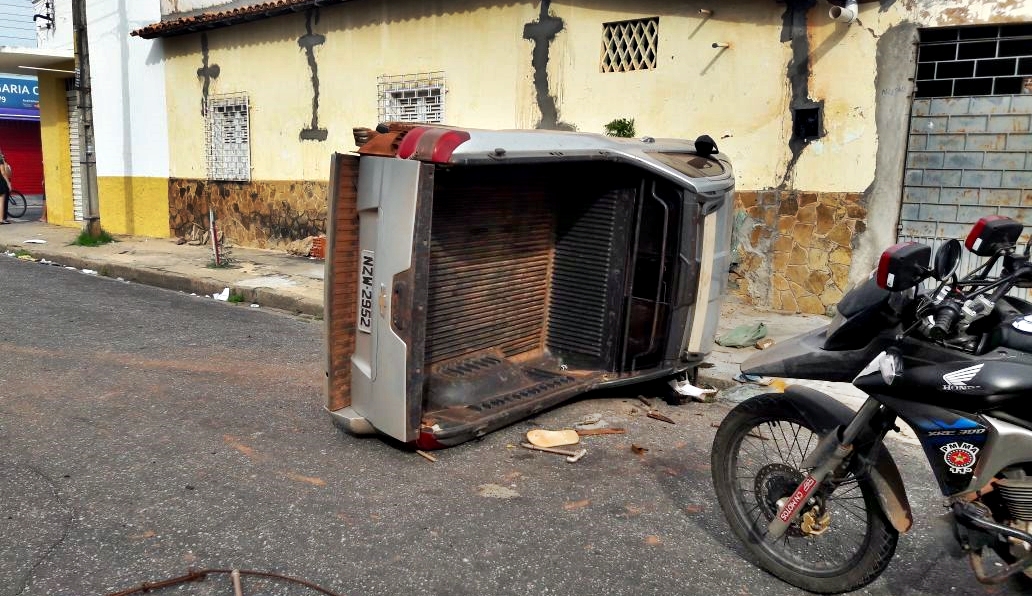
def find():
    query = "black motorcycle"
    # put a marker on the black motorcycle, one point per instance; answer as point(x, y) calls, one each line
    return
point(808, 485)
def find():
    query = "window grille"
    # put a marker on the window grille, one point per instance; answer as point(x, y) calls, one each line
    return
point(411, 98)
point(227, 138)
point(984, 60)
point(630, 45)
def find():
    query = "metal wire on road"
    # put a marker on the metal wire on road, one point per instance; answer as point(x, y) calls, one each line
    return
point(201, 574)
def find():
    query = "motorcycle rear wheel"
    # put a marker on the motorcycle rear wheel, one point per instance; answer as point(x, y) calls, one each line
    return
point(756, 456)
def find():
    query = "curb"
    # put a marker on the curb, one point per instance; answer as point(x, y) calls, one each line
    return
point(266, 297)
point(718, 382)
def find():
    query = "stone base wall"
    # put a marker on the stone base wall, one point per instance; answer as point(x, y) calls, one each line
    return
point(258, 214)
point(795, 248)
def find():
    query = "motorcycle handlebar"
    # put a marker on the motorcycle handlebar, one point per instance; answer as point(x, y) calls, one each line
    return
point(946, 316)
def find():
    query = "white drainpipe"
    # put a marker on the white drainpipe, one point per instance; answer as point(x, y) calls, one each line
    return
point(844, 14)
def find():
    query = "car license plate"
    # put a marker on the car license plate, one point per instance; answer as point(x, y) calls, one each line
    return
point(365, 292)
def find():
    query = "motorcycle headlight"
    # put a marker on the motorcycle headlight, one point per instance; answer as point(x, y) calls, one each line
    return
point(890, 366)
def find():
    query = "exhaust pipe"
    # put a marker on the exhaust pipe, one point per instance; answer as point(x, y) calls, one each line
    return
point(844, 14)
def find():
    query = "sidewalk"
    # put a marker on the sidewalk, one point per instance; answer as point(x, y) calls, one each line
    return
point(275, 279)
point(272, 279)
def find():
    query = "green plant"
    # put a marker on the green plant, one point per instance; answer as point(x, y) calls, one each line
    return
point(85, 239)
point(21, 252)
point(237, 298)
point(621, 127)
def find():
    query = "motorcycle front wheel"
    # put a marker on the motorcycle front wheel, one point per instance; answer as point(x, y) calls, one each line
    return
point(839, 543)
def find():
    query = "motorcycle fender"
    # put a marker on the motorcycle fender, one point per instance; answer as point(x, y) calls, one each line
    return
point(825, 413)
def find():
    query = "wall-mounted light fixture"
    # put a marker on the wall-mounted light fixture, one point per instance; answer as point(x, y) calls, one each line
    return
point(721, 44)
point(705, 12)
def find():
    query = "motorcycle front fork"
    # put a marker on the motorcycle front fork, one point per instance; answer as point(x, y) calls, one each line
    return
point(829, 454)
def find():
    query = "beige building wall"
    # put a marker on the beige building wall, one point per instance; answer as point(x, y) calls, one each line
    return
point(814, 214)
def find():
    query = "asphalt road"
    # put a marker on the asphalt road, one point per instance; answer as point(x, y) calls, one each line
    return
point(145, 432)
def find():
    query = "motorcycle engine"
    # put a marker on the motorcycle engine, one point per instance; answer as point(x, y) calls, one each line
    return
point(1016, 492)
point(1017, 496)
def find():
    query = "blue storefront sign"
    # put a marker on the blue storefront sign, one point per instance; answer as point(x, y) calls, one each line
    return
point(19, 98)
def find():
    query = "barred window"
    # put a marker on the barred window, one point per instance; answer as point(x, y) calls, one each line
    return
point(227, 138)
point(630, 45)
point(411, 97)
point(984, 60)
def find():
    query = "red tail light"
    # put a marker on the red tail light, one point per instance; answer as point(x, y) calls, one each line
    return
point(408, 144)
point(431, 144)
point(992, 233)
point(884, 263)
point(903, 266)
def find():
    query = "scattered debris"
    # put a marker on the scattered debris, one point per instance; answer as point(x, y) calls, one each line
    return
point(638, 449)
point(756, 379)
point(302, 247)
point(764, 343)
point(34, 241)
point(571, 456)
point(758, 436)
point(318, 248)
point(26, 258)
point(223, 295)
point(180, 241)
point(552, 438)
point(588, 420)
point(645, 401)
point(743, 336)
point(496, 491)
point(591, 422)
point(657, 416)
point(255, 306)
point(238, 588)
point(586, 432)
point(426, 455)
point(89, 271)
point(575, 505)
point(686, 388)
point(653, 540)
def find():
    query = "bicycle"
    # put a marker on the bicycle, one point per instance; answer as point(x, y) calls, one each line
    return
point(16, 204)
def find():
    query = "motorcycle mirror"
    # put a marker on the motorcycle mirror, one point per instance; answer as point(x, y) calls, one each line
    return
point(947, 259)
point(993, 233)
point(903, 266)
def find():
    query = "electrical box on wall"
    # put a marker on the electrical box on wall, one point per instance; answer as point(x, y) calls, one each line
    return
point(807, 123)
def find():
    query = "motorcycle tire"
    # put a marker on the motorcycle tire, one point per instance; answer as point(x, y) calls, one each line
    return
point(766, 422)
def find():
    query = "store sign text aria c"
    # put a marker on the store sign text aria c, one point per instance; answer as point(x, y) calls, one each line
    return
point(19, 88)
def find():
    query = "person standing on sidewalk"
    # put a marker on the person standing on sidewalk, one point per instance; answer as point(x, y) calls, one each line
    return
point(5, 188)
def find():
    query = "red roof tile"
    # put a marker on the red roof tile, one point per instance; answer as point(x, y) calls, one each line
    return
point(214, 18)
